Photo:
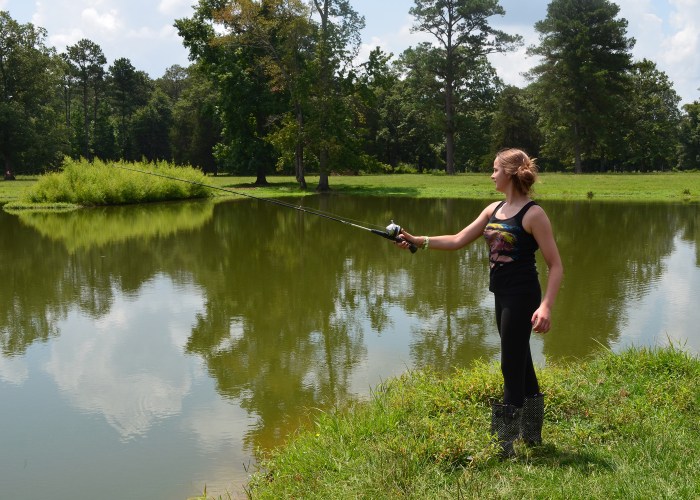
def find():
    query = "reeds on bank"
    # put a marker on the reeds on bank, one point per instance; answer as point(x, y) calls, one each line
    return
point(618, 426)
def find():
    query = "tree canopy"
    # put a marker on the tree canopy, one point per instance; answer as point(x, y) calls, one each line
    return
point(276, 86)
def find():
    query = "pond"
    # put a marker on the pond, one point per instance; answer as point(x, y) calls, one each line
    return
point(148, 351)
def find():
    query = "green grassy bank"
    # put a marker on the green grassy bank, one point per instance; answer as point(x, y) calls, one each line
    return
point(618, 426)
point(664, 187)
point(554, 186)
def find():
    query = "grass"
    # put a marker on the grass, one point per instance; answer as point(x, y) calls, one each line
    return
point(83, 183)
point(618, 426)
point(664, 187)
point(661, 187)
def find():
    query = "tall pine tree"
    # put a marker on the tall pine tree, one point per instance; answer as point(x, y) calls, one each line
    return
point(582, 79)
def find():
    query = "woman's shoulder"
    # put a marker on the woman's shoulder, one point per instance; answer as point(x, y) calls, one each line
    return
point(535, 215)
point(534, 208)
point(491, 207)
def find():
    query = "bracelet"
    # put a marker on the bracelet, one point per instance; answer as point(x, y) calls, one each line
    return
point(426, 242)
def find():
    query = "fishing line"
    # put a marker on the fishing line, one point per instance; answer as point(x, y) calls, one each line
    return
point(392, 231)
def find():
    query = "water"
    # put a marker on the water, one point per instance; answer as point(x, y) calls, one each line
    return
point(146, 352)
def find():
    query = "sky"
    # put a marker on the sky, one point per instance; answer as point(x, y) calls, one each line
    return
point(667, 32)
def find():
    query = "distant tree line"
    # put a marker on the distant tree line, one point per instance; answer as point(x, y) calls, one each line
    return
point(274, 86)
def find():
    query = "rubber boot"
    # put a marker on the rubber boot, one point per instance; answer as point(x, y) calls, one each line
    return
point(505, 425)
point(531, 423)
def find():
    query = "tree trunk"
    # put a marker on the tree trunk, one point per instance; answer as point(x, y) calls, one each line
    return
point(86, 124)
point(323, 8)
point(450, 152)
point(67, 99)
point(449, 129)
point(261, 179)
point(577, 151)
point(299, 150)
point(323, 185)
point(9, 175)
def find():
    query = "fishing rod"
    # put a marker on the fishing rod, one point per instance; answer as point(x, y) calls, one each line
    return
point(392, 231)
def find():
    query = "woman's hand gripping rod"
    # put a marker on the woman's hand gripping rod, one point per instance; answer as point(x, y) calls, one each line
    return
point(393, 232)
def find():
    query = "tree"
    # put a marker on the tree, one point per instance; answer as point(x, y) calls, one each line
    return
point(463, 38)
point(690, 136)
point(582, 81)
point(196, 125)
point(421, 120)
point(337, 44)
point(248, 61)
point(104, 136)
point(476, 102)
point(31, 132)
point(87, 64)
point(378, 108)
point(174, 81)
point(128, 90)
point(280, 32)
point(246, 102)
point(514, 122)
point(151, 128)
point(652, 142)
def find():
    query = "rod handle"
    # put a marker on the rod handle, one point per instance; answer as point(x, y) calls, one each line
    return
point(413, 248)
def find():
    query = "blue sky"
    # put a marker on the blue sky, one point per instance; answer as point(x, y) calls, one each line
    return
point(667, 31)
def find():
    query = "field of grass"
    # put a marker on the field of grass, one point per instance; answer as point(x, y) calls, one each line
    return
point(669, 187)
point(618, 426)
point(676, 186)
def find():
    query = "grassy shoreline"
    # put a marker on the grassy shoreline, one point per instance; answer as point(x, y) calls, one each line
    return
point(656, 187)
point(617, 426)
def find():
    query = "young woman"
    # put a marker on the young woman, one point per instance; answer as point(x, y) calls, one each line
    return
point(514, 229)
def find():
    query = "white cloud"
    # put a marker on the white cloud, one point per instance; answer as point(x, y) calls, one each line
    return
point(63, 40)
point(101, 22)
point(511, 66)
point(166, 32)
point(682, 46)
point(39, 17)
point(173, 7)
point(666, 32)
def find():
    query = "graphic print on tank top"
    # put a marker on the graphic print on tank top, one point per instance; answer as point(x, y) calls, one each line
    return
point(503, 242)
point(507, 239)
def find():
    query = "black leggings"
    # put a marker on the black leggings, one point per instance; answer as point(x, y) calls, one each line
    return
point(513, 317)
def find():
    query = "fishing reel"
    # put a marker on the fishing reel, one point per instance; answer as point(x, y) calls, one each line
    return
point(393, 230)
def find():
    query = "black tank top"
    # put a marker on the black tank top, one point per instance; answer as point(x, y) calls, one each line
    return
point(511, 253)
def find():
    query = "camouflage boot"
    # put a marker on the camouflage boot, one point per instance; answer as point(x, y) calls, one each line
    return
point(505, 425)
point(531, 423)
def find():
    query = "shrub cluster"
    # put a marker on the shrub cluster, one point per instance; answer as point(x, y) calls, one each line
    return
point(98, 183)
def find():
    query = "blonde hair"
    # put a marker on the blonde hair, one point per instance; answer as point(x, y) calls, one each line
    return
point(522, 169)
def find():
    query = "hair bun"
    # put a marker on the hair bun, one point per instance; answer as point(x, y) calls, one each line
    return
point(520, 166)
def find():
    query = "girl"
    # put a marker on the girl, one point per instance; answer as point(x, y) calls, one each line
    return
point(514, 229)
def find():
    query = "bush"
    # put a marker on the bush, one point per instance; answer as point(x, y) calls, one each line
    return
point(98, 183)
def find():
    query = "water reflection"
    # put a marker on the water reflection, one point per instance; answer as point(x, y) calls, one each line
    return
point(98, 369)
point(613, 255)
point(201, 332)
